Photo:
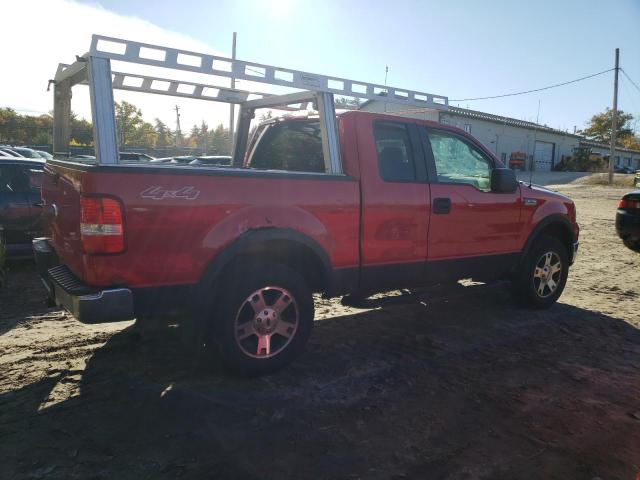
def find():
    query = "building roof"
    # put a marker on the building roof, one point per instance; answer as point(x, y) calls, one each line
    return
point(619, 148)
point(464, 112)
point(514, 122)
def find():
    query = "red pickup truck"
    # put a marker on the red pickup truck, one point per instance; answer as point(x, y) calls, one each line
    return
point(244, 247)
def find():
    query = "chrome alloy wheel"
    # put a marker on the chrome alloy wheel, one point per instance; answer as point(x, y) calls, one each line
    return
point(547, 274)
point(266, 322)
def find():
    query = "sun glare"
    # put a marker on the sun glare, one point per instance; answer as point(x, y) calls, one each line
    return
point(280, 7)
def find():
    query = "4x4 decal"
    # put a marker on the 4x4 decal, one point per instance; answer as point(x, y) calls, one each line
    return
point(159, 193)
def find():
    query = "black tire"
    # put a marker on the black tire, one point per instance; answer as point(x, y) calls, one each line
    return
point(272, 280)
point(633, 244)
point(532, 291)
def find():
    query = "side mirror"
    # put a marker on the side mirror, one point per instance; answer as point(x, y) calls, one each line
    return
point(503, 180)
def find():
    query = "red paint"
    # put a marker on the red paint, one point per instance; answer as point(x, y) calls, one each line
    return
point(176, 224)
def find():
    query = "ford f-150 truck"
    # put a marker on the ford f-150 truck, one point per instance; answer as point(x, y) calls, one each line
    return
point(418, 203)
point(354, 203)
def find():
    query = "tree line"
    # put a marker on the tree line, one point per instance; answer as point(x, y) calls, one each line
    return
point(133, 130)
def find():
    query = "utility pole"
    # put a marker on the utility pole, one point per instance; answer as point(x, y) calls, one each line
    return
point(386, 72)
point(532, 164)
point(178, 132)
point(232, 107)
point(614, 126)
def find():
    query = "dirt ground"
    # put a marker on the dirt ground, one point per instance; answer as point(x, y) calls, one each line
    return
point(460, 386)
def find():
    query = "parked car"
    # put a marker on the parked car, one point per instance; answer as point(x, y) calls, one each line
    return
point(20, 203)
point(9, 152)
point(624, 170)
point(3, 253)
point(217, 160)
point(244, 248)
point(126, 157)
point(45, 155)
point(26, 152)
point(82, 158)
point(179, 160)
point(628, 220)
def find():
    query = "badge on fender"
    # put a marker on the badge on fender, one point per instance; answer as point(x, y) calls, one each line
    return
point(159, 193)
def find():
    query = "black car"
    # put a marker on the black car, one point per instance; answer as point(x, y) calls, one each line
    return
point(628, 220)
point(2, 256)
point(624, 170)
point(20, 208)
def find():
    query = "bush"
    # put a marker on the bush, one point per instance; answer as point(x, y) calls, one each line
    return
point(582, 161)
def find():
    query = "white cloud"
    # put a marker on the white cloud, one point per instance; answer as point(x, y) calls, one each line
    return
point(37, 35)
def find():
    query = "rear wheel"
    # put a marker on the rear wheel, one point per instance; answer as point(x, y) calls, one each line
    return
point(263, 317)
point(543, 273)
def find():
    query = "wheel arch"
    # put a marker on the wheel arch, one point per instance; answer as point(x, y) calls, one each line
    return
point(283, 245)
point(556, 226)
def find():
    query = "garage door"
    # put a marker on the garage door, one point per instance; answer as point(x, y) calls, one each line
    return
point(543, 155)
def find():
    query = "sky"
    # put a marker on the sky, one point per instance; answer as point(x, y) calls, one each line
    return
point(462, 49)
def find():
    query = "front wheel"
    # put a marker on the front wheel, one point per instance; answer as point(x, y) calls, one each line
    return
point(263, 318)
point(542, 275)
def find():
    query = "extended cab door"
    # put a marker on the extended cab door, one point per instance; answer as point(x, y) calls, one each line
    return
point(472, 226)
point(395, 204)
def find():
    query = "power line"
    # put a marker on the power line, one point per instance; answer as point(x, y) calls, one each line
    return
point(535, 89)
point(629, 78)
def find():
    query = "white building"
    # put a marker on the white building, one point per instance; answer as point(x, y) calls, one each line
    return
point(502, 135)
point(625, 157)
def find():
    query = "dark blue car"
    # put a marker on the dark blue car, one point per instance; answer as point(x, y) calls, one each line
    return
point(20, 207)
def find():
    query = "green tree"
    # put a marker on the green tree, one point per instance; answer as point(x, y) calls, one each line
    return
point(164, 137)
point(43, 138)
point(81, 130)
point(266, 116)
point(132, 129)
point(599, 127)
point(347, 103)
point(632, 141)
point(194, 137)
point(219, 142)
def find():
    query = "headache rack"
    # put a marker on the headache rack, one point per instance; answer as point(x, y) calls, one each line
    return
point(94, 69)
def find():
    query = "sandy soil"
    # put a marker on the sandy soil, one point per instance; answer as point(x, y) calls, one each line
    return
point(455, 385)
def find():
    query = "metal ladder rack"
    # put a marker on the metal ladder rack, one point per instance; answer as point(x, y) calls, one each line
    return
point(94, 69)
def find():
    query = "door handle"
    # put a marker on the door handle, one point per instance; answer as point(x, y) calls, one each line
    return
point(441, 206)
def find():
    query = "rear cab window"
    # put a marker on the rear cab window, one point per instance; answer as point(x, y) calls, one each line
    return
point(293, 146)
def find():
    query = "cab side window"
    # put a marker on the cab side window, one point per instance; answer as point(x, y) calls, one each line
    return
point(13, 179)
point(457, 161)
point(396, 159)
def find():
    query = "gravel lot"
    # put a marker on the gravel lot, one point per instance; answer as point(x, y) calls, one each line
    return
point(455, 385)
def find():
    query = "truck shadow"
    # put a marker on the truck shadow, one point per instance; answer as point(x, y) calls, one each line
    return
point(416, 390)
point(22, 293)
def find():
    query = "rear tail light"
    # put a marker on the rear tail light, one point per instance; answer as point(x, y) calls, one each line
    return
point(628, 204)
point(101, 225)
